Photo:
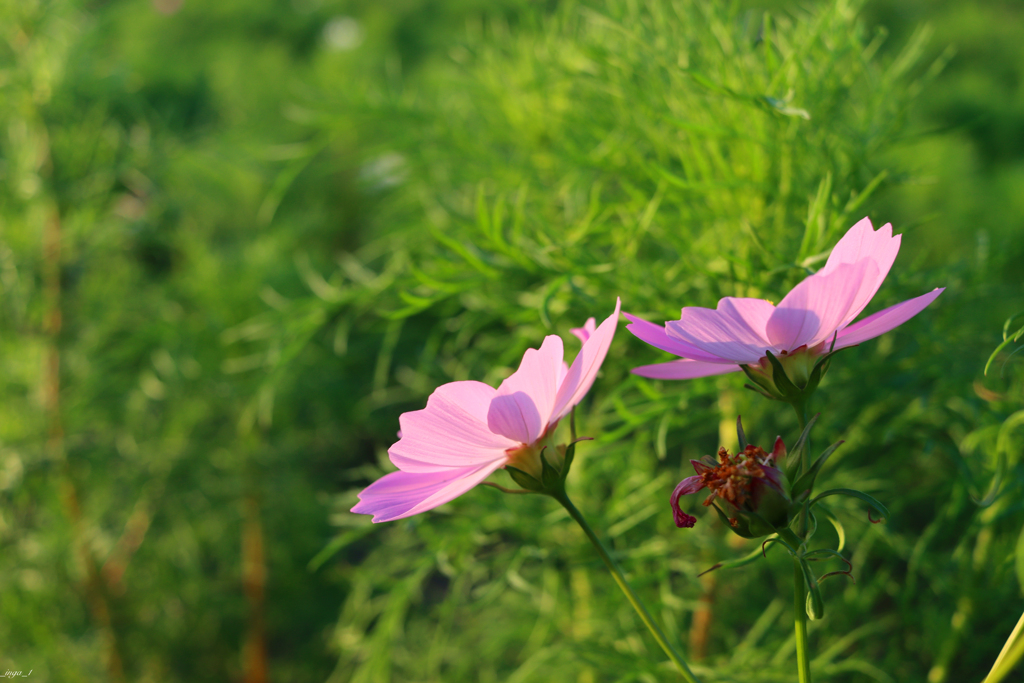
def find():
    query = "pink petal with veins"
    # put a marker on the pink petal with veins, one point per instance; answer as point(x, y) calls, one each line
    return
point(656, 336)
point(401, 494)
point(522, 407)
point(688, 486)
point(885, 320)
point(450, 432)
point(814, 309)
point(860, 243)
point(684, 369)
point(734, 331)
point(585, 367)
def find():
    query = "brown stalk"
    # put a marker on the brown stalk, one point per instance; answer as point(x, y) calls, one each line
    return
point(93, 587)
point(254, 578)
point(134, 533)
point(703, 615)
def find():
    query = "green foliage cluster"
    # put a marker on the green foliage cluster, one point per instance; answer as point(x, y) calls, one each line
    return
point(282, 224)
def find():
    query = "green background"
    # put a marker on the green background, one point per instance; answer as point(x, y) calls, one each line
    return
point(283, 223)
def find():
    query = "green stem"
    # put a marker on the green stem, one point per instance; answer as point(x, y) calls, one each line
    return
point(620, 579)
point(800, 624)
point(801, 417)
point(803, 660)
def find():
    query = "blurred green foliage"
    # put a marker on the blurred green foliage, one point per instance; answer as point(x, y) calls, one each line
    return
point(282, 223)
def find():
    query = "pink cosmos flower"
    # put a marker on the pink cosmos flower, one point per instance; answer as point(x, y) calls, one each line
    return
point(740, 330)
point(469, 429)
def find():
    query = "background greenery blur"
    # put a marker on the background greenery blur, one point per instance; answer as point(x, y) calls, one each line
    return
point(238, 239)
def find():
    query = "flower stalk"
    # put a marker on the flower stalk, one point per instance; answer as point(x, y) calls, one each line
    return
point(627, 590)
point(803, 660)
point(801, 417)
point(552, 483)
point(800, 604)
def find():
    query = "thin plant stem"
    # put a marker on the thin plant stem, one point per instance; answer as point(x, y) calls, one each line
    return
point(633, 598)
point(803, 660)
point(801, 417)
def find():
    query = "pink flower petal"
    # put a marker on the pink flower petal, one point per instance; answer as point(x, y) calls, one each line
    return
point(859, 243)
point(684, 369)
point(701, 467)
point(734, 331)
point(685, 487)
point(885, 320)
point(815, 308)
point(656, 336)
point(450, 432)
point(778, 453)
point(522, 407)
point(583, 333)
point(401, 494)
point(585, 367)
point(688, 486)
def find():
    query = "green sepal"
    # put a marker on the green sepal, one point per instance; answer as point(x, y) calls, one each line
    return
point(878, 507)
point(781, 386)
point(756, 390)
point(815, 605)
point(524, 479)
point(774, 509)
point(790, 392)
point(817, 372)
point(793, 454)
point(750, 524)
point(763, 385)
point(570, 454)
point(806, 480)
point(740, 435)
point(551, 478)
point(819, 369)
point(759, 525)
point(742, 527)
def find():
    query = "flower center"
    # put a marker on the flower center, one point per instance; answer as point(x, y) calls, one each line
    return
point(733, 478)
